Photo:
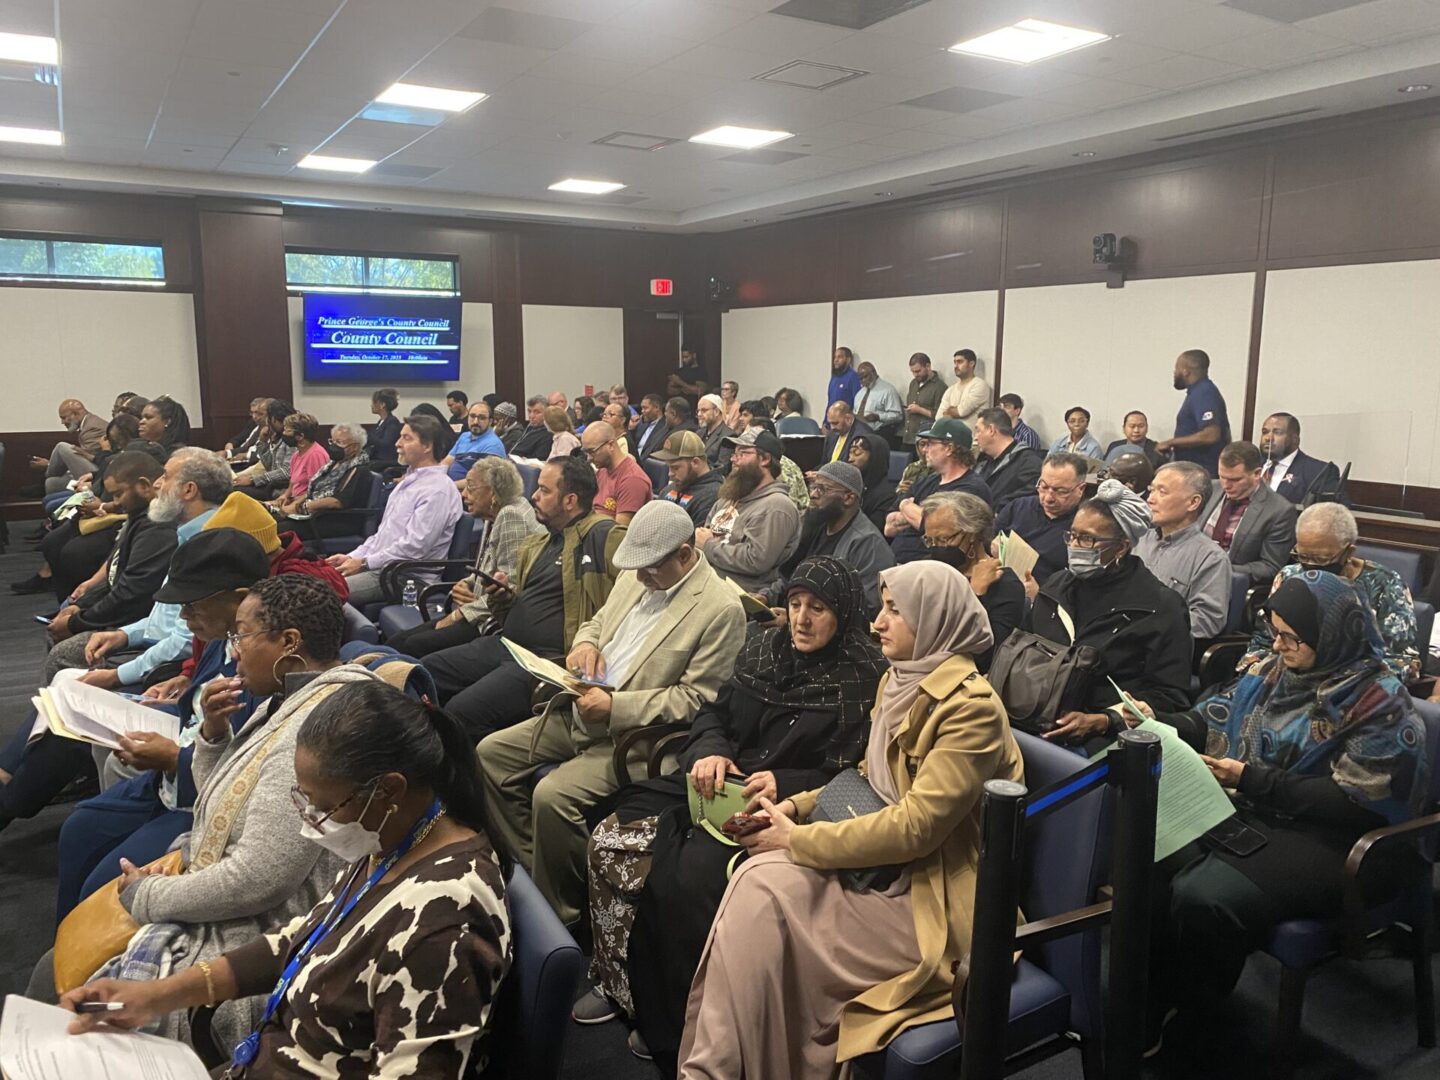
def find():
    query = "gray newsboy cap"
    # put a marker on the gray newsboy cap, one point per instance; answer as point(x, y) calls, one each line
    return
point(657, 530)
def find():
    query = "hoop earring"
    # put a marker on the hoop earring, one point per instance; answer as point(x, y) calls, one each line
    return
point(275, 674)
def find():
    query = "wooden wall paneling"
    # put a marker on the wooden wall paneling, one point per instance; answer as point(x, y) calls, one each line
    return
point(508, 327)
point(794, 263)
point(242, 318)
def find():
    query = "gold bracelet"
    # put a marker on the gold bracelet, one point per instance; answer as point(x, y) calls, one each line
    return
point(204, 966)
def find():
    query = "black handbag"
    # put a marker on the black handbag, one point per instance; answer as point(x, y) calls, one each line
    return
point(849, 795)
point(1040, 680)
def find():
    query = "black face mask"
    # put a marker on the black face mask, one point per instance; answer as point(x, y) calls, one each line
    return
point(959, 558)
point(1337, 568)
point(290, 440)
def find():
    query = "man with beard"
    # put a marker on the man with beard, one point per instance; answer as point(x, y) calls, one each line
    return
point(949, 454)
point(755, 526)
point(713, 431)
point(504, 423)
point(1202, 426)
point(833, 525)
point(1289, 471)
point(694, 485)
point(475, 442)
point(844, 379)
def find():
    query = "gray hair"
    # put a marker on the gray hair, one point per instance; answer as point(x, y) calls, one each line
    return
point(1063, 459)
point(355, 430)
point(537, 399)
point(1335, 518)
point(501, 477)
point(969, 512)
point(206, 470)
point(1195, 478)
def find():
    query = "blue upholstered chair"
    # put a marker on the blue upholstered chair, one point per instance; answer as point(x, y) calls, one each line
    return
point(365, 516)
point(542, 983)
point(659, 472)
point(1302, 945)
point(1056, 996)
point(529, 476)
point(1405, 563)
point(899, 462)
point(359, 628)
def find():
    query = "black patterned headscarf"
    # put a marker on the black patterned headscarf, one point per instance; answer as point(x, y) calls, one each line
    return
point(843, 676)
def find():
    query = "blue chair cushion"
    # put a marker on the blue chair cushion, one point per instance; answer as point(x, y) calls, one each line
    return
point(899, 462)
point(397, 617)
point(1039, 1008)
point(1301, 944)
point(546, 972)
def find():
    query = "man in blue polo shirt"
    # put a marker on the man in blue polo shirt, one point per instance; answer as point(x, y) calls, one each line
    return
point(475, 442)
point(1202, 426)
point(844, 380)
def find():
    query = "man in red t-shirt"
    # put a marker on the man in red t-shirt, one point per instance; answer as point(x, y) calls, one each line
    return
point(624, 483)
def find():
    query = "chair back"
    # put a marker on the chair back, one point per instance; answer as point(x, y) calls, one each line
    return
point(659, 472)
point(1067, 859)
point(529, 476)
point(1430, 712)
point(899, 462)
point(1239, 593)
point(465, 539)
point(1404, 563)
point(1424, 627)
point(374, 497)
point(797, 425)
point(358, 627)
point(542, 980)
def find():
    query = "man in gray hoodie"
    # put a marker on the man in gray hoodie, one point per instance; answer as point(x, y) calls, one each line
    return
point(754, 526)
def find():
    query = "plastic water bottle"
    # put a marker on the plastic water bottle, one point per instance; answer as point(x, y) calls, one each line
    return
point(411, 597)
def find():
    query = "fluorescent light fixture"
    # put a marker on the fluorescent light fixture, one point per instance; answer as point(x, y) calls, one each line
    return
point(335, 164)
point(430, 97)
point(586, 187)
point(1029, 40)
point(29, 49)
point(39, 136)
point(741, 138)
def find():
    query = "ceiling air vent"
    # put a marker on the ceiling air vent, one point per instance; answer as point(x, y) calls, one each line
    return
point(1239, 124)
point(1289, 11)
point(854, 14)
point(634, 140)
point(809, 75)
point(814, 209)
point(980, 176)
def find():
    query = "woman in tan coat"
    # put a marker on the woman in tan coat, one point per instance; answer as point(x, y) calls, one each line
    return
point(801, 973)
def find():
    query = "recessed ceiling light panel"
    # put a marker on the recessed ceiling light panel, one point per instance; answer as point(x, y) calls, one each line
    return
point(586, 187)
point(335, 164)
point(430, 97)
point(1029, 40)
point(741, 138)
point(38, 136)
point(29, 49)
point(1416, 88)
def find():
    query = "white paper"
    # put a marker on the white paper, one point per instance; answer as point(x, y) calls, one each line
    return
point(102, 716)
point(35, 1045)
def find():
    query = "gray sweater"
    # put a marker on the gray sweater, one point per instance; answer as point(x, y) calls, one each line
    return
point(268, 873)
point(764, 529)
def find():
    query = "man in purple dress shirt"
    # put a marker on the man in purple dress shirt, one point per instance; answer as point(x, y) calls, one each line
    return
point(419, 519)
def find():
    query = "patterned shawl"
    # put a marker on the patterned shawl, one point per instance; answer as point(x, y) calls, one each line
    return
point(842, 676)
point(1348, 716)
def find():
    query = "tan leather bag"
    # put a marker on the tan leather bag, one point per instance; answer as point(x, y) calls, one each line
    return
point(98, 929)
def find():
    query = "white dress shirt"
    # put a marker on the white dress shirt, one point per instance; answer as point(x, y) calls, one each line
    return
point(620, 651)
point(1282, 469)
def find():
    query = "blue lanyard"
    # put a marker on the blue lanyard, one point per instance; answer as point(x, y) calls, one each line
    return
point(246, 1052)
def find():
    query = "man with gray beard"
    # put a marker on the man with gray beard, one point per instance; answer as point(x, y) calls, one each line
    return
point(754, 526)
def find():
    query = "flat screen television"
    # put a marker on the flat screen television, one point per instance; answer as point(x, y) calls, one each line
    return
point(381, 339)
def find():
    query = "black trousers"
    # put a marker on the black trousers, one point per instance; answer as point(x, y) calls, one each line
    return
point(425, 639)
point(482, 685)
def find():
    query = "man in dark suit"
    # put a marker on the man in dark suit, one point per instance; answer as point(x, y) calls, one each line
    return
point(844, 426)
point(649, 435)
point(1289, 471)
point(1254, 526)
point(1009, 466)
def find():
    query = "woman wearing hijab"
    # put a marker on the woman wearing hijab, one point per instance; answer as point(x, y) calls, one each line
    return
point(802, 974)
point(870, 453)
point(795, 713)
point(1107, 599)
point(1320, 743)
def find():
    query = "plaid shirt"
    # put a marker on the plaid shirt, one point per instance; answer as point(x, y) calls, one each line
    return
point(498, 549)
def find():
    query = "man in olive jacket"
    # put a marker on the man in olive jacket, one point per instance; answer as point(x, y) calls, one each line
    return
point(658, 650)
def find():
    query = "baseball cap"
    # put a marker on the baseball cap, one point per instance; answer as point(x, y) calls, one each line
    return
point(759, 438)
point(657, 530)
point(212, 561)
point(949, 430)
point(680, 444)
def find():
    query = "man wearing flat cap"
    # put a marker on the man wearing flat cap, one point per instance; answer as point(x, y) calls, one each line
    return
point(659, 649)
point(834, 525)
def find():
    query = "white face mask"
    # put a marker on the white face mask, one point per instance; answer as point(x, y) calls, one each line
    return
point(350, 840)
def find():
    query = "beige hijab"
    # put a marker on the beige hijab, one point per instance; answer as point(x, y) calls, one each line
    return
point(936, 601)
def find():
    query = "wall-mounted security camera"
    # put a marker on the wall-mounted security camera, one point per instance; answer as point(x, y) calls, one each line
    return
point(1116, 254)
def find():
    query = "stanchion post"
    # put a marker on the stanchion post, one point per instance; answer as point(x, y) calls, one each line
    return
point(1137, 782)
point(985, 1017)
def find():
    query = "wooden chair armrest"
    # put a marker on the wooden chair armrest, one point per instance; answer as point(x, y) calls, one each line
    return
point(662, 747)
point(632, 738)
point(1384, 836)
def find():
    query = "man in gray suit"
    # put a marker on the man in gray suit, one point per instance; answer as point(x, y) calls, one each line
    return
point(1252, 524)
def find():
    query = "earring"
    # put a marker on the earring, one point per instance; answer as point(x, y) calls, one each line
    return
point(274, 668)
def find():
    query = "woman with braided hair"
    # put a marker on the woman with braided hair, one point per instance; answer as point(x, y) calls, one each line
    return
point(395, 971)
point(243, 870)
point(795, 713)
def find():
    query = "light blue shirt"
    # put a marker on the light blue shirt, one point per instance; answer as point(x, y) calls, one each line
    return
point(163, 628)
point(470, 448)
point(1088, 445)
point(883, 400)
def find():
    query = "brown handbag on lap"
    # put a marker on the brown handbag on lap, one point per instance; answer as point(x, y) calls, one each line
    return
point(98, 929)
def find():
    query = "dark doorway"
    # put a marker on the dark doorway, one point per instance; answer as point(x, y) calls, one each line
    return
point(652, 350)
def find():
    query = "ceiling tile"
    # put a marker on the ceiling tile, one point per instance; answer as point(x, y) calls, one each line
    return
point(592, 71)
point(779, 36)
point(1274, 48)
point(1290, 11)
point(463, 63)
point(915, 141)
point(1101, 93)
point(694, 20)
point(959, 99)
point(628, 46)
point(510, 26)
point(1183, 71)
point(763, 157)
point(1379, 21)
point(721, 62)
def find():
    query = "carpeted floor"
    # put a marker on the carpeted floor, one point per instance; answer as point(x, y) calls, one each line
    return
point(1358, 1020)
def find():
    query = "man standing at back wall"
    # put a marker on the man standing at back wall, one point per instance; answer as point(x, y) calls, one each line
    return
point(1202, 426)
point(922, 400)
point(844, 380)
point(969, 393)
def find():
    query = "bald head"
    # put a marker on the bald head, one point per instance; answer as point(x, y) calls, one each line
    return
point(71, 411)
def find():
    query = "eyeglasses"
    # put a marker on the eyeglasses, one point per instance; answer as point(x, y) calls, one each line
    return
point(1085, 540)
point(302, 804)
point(1049, 489)
point(1285, 639)
point(1312, 560)
point(950, 540)
point(234, 639)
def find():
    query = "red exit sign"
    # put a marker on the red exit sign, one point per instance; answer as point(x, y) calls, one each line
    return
point(662, 286)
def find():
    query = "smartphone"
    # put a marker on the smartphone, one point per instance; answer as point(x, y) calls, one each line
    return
point(743, 825)
point(488, 580)
point(1236, 837)
point(44, 620)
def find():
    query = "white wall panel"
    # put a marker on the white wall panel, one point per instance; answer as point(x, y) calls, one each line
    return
point(331, 403)
point(92, 344)
point(1113, 350)
point(1354, 352)
point(765, 348)
point(568, 348)
point(885, 332)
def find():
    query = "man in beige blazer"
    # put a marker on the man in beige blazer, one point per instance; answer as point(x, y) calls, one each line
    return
point(662, 645)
